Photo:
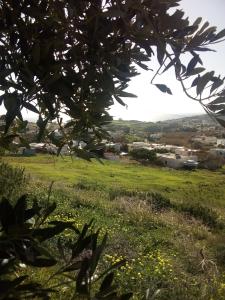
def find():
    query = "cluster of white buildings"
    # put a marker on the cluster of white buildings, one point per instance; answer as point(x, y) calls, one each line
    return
point(208, 140)
point(49, 148)
point(174, 157)
point(169, 155)
point(178, 156)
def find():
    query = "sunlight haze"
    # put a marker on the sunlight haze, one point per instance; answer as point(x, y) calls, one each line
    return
point(151, 104)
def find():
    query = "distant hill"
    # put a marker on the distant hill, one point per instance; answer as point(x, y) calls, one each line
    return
point(140, 125)
point(141, 130)
point(196, 118)
point(166, 117)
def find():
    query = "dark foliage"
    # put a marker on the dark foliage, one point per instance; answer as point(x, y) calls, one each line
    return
point(207, 215)
point(155, 200)
point(143, 154)
point(159, 202)
point(12, 181)
point(23, 235)
point(77, 57)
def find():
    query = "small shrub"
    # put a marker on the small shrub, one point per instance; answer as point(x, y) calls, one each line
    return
point(88, 186)
point(211, 162)
point(220, 253)
point(12, 181)
point(117, 193)
point(143, 154)
point(159, 202)
point(207, 215)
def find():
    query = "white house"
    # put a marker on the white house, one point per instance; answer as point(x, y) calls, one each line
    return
point(175, 161)
point(44, 147)
point(115, 146)
point(220, 142)
point(155, 136)
point(140, 145)
point(65, 150)
point(205, 140)
point(217, 152)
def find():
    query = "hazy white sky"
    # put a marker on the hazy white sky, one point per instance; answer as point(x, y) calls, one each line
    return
point(151, 104)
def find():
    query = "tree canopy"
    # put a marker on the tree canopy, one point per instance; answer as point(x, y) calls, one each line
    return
point(77, 58)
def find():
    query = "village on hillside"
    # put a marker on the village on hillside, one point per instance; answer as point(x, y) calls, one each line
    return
point(178, 144)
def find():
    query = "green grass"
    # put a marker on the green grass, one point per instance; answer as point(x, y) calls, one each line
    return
point(162, 247)
point(180, 185)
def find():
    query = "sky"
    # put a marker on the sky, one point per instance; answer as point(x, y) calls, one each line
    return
point(151, 104)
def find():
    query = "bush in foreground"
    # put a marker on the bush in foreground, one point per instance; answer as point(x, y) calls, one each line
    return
point(23, 245)
point(12, 181)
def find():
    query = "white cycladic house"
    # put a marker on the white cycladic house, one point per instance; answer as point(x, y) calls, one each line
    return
point(176, 161)
point(220, 142)
point(217, 152)
point(205, 140)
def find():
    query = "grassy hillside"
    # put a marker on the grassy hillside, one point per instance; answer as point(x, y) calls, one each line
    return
point(201, 185)
point(167, 223)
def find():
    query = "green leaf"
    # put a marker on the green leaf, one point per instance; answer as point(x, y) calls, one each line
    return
point(43, 234)
point(113, 13)
point(195, 71)
point(217, 83)
point(12, 106)
point(113, 267)
point(218, 100)
point(126, 296)
point(30, 107)
point(170, 64)
point(120, 101)
point(192, 65)
point(204, 49)
point(36, 53)
point(205, 25)
point(1, 99)
point(5, 73)
point(106, 283)
point(42, 126)
point(161, 51)
point(82, 153)
point(163, 88)
point(195, 81)
point(47, 211)
point(42, 262)
point(24, 142)
point(220, 35)
point(20, 209)
point(82, 277)
point(185, 31)
point(10, 285)
point(125, 94)
point(197, 21)
point(96, 255)
point(220, 120)
point(143, 66)
point(216, 107)
point(68, 225)
point(7, 215)
point(169, 91)
point(200, 37)
point(202, 82)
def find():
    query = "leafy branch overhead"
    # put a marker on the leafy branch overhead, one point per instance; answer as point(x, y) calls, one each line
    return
point(77, 57)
